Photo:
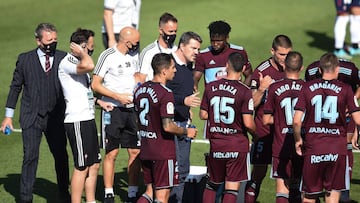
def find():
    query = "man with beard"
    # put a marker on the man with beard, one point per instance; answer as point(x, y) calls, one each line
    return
point(266, 73)
point(163, 44)
point(212, 61)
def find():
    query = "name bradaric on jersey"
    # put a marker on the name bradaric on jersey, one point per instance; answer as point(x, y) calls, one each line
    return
point(286, 87)
point(224, 87)
point(325, 85)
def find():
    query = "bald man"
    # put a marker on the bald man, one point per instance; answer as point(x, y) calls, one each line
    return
point(114, 79)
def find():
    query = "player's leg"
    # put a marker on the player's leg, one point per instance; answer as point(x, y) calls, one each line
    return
point(109, 173)
point(134, 168)
point(147, 196)
point(77, 184)
point(216, 171)
point(162, 195)
point(90, 182)
point(355, 27)
point(231, 191)
point(342, 19)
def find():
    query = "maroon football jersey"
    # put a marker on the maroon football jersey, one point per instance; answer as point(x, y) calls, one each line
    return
point(153, 101)
point(348, 73)
point(226, 101)
point(325, 103)
point(213, 65)
point(266, 69)
point(280, 102)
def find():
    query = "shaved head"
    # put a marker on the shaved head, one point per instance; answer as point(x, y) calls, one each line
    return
point(129, 34)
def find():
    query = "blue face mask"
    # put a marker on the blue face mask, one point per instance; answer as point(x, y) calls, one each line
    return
point(134, 49)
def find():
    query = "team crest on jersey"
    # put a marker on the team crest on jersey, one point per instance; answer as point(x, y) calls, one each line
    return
point(170, 108)
point(251, 104)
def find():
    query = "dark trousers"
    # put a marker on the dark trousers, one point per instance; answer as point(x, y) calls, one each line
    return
point(55, 136)
point(183, 145)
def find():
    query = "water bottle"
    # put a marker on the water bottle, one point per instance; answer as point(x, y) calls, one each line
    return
point(189, 126)
point(7, 130)
point(107, 118)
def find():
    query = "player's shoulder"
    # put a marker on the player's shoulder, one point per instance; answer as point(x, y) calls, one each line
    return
point(264, 65)
point(108, 52)
point(206, 50)
point(148, 48)
point(236, 47)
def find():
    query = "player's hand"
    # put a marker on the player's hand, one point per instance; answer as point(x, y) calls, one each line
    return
point(191, 132)
point(76, 49)
point(107, 106)
point(193, 100)
point(6, 122)
point(354, 141)
point(125, 98)
point(299, 147)
point(265, 82)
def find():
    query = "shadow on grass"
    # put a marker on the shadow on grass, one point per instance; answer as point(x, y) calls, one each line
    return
point(43, 188)
point(320, 40)
point(49, 190)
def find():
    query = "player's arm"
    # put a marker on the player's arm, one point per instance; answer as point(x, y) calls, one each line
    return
point(96, 85)
point(258, 93)
point(170, 126)
point(86, 64)
point(268, 119)
point(247, 74)
point(203, 114)
point(109, 26)
point(196, 76)
point(249, 123)
point(297, 131)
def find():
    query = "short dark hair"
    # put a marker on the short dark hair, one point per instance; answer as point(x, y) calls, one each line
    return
point(236, 61)
point(81, 36)
point(160, 61)
point(293, 61)
point(187, 36)
point(166, 17)
point(328, 62)
point(281, 41)
point(219, 28)
point(44, 27)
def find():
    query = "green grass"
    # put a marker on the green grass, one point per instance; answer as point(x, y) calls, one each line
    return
point(254, 24)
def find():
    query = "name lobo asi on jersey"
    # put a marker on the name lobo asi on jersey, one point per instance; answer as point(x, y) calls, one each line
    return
point(225, 155)
point(147, 134)
point(284, 88)
point(315, 159)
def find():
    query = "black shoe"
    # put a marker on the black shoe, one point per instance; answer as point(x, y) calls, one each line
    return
point(131, 199)
point(109, 198)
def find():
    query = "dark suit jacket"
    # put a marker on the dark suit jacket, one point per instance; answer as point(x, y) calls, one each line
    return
point(26, 77)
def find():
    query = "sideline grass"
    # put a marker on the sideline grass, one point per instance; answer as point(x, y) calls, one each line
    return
point(254, 24)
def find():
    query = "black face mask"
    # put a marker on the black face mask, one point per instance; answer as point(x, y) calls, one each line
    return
point(134, 49)
point(169, 39)
point(49, 48)
point(90, 52)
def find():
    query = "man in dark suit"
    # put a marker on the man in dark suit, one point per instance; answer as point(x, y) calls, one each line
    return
point(42, 110)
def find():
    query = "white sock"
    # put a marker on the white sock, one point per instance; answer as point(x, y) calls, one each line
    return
point(91, 202)
point(355, 28)
point(132, 190)
point(109, 191)
point(340, 30)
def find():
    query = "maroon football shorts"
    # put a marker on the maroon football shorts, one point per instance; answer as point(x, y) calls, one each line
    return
point(323, 172)
point(234, 169)
point(286, 168)
point(160, 173)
